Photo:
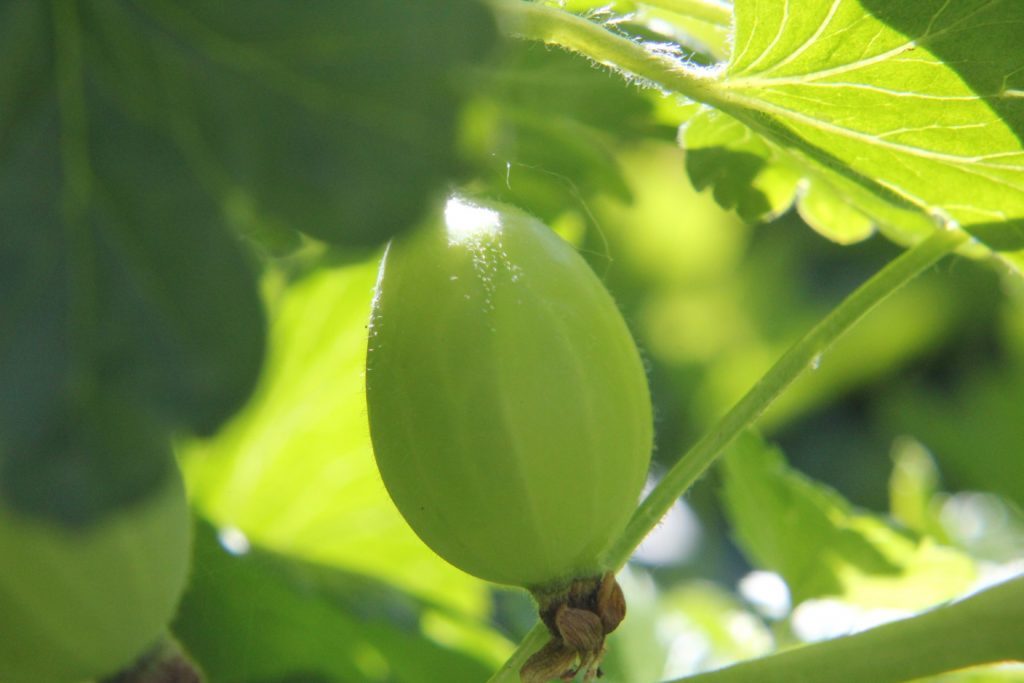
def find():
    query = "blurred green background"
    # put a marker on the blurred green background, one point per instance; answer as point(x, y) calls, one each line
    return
point(279, 154)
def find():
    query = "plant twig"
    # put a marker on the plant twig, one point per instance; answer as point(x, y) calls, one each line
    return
point(943, 639)
point(790, 366)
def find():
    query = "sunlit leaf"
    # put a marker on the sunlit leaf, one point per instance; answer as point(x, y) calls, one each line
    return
point(822, 546)
point(719, 310)
point(998, 673)
point(910, 112)
point(913, 486)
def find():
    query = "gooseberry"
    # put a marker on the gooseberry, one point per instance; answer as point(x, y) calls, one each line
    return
point(508, 405)
point(80, 603)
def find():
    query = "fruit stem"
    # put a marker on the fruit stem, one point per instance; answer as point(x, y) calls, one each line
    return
point(943, 639)
point(531, 642)
point(790, 366)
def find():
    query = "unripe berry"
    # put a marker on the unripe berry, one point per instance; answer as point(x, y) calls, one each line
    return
point(508, 404)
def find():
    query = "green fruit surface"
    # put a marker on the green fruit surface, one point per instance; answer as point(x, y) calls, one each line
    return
point(82, 603)
point(508, 404)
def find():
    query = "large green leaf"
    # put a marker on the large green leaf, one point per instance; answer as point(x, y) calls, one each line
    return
point(903, 115)
point(132, 135)
point(822, 546)
point(306, 116)
point(127, 309)
point(690, 627)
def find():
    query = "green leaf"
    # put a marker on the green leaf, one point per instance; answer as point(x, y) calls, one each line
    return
point(305, 119)
point(131, 136)
point(128, 310)
point(909, 112)
point(295, 469)
point(262, 618)
point(822, 546)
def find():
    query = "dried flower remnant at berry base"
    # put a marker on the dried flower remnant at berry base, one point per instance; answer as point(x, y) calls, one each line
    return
point(578, 620)
point(510, 415)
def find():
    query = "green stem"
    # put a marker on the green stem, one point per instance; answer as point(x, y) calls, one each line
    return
point(711, 11)
point(556, 27)
point(943, 639)
point(798, 358)
point(533, 641)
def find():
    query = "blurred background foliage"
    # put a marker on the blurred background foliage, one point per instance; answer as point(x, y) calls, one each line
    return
point(905, 478)
point(897, 455)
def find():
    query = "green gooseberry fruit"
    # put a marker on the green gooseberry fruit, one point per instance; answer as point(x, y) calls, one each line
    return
point(76, 604)
point(508, 404)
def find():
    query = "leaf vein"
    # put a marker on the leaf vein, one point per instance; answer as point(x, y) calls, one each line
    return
point(812, 39)
point(962, 162)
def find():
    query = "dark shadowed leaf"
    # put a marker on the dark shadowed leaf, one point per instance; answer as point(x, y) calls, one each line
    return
point(974, 425)
point(336, 119)
point(128, 310)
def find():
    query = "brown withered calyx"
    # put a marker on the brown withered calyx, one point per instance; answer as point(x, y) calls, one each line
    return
point(578, 619)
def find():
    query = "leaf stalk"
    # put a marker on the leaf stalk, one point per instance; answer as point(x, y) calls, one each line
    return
point(790, 366)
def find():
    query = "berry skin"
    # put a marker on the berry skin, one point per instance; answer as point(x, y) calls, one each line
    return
point(508, 404)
